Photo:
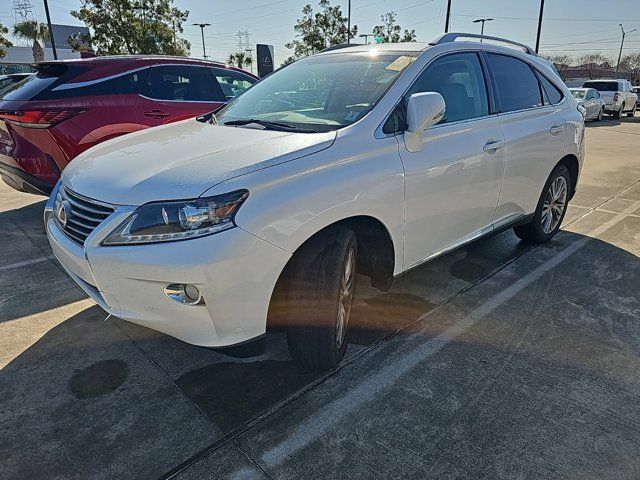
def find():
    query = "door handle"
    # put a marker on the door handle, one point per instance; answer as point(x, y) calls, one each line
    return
point(555, 129)
point(156, 114)
point(491, 147)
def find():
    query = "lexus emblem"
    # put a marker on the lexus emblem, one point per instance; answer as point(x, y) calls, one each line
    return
point(62, 210)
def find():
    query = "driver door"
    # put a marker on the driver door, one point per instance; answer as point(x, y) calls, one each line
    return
point(453, 183)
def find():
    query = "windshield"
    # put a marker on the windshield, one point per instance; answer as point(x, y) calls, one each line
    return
point(321, 93)
point(603, 86)
point(578, 94)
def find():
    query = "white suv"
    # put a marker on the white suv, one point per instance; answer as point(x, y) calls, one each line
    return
point(367, 159)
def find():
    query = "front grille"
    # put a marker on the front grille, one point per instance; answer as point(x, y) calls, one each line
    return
point(85, 215)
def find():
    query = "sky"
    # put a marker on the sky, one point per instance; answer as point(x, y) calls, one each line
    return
point(572, 26)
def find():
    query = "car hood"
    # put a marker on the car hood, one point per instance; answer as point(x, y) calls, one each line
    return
point(181, 160)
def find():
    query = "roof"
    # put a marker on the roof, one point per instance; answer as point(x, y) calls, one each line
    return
point(378, 47)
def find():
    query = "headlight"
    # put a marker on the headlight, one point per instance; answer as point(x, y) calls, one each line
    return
point(180, 220)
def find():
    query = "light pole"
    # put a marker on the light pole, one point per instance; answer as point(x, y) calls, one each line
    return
point(539, 25)
point(366, 37)
point(202, 25)
point(51, 39)
point(349, 22)
point(482, 20)
point(624, 34)
point(446, 22)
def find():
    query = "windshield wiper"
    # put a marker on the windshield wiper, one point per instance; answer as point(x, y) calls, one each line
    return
point(282, 127)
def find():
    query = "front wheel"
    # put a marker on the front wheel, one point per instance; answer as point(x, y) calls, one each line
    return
point(632, 113)
point(601, 114)
point(551, 209)
point(321, 290)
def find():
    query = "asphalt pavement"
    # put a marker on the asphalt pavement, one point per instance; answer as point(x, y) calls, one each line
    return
point(499, 360)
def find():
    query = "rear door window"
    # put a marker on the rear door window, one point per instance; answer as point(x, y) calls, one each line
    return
point(516, 84)
point(232, 82)
point(184, 83)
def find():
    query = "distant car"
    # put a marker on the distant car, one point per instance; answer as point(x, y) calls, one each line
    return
point(49, 118)
point(7, 80)
point(591, 101)
point(636, 90)
point(617, 94)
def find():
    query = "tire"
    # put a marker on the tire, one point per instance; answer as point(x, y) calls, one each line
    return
point(632, 113)
point(600, 115)
point(321, 287)
point(546, 220)
point(618, 114)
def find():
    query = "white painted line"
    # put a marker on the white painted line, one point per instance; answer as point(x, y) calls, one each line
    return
point(25, 263)
point(332, 413)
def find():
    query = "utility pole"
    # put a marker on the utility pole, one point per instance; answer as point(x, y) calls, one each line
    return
point(483, 20)
point(539, 25)
point(624, 34)
point(51, 39)
point(202, 25)
point(349, 22)
point(446, 22)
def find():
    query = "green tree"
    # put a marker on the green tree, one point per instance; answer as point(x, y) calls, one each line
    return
point(319, 30)
point(134, 26)
point(391, 32)
point(80, 42)
point(4, 41)
point(34, 32)
point(240, 60)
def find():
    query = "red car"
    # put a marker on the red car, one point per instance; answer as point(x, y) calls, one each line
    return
point(69, 106)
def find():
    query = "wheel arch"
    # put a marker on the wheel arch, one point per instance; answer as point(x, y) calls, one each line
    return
point(573, 165)
point(376, 258)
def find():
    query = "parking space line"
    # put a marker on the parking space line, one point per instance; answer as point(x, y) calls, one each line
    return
point(336, 410)
point(26, 263)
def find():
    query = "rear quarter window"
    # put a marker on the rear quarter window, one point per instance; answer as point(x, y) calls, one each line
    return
point(125, 84)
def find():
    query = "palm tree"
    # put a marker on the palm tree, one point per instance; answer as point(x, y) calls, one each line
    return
point(239, 59)
point(34, 32)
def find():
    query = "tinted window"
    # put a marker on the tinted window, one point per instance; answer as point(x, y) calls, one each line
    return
point(121, 85)
point(602, 86)
point(232, 82)
point(28, 88)
point(397, 120)
point(179, 82)
point(554, 95)
point(460, 81)
point(517, 86)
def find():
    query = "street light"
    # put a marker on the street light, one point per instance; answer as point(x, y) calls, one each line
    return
point(51, 39)
point(624, 34)
point(366, 37)
point(202, 25)
point(482, 20)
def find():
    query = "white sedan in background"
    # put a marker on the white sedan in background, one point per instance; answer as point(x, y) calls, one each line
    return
point(591, 100)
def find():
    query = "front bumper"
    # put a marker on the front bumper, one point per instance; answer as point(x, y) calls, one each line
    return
point(235, 271)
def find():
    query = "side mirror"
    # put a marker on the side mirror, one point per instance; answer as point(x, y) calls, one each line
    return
point(423, 110)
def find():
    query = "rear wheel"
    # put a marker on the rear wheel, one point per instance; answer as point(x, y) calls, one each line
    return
point(618, 114)
point(551, 209)
point(321, 289)
point(632, 113)
point(600, 114)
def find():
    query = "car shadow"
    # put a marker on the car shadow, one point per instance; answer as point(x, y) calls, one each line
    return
point(90, 396)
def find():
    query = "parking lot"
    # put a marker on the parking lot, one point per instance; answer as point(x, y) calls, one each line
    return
point(500, 360)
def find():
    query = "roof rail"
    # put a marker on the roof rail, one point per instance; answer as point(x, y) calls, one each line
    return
point(452, 37)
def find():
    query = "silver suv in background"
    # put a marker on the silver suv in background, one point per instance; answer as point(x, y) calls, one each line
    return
point(618, 96)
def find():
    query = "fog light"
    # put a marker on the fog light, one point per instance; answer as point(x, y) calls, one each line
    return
point(186, 294)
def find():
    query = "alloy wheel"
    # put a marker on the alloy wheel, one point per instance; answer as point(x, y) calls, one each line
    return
point(555, 202)
point(345, 297)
